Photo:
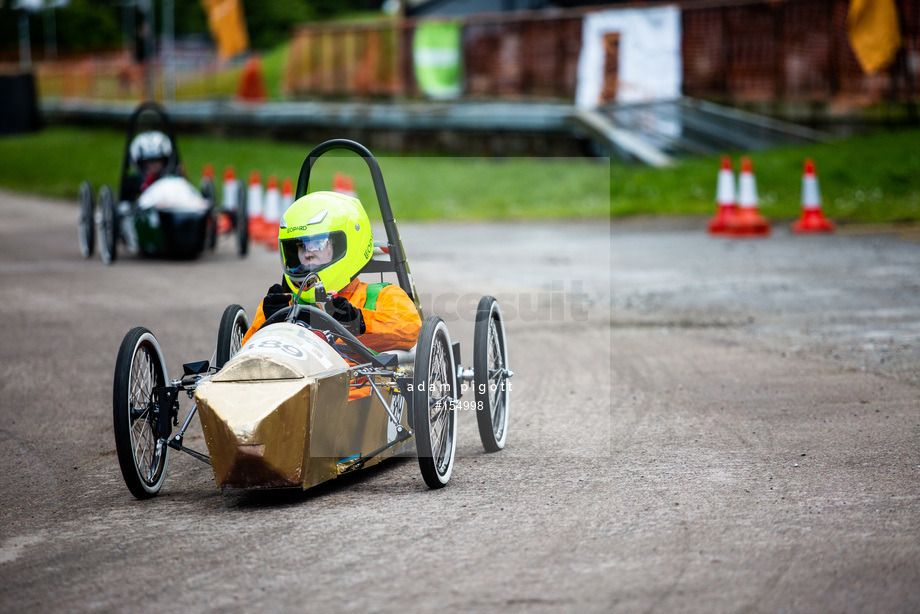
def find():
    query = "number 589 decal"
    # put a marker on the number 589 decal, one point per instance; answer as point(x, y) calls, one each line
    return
point(296, 347)
point(278, 344)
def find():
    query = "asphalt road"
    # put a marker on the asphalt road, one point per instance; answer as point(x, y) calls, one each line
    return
point(698, 424)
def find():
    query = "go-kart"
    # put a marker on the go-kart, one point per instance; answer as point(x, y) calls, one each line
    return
point(275, 411)
point(171, 218)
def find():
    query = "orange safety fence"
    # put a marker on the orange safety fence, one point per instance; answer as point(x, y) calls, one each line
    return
point(733, 51)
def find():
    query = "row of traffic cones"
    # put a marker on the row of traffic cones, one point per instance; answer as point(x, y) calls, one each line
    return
point(739, 217)
point(266, 208)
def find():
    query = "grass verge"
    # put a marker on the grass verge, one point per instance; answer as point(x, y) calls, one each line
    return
point(873, 178)
point(54, 162)
point(866, 179)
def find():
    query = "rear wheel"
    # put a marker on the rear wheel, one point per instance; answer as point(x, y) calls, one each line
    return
point(490, 375)
point(242, 223)
point(86, 221)
point(108, 226)
point(139, 369)
point(207, 191)
point(434, 394)
point(233, 326)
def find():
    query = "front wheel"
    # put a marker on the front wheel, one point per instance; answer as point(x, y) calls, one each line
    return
point(108, 226)
point(233, 326)
point(434, 400)
point(490, 375)
point(139, 370)
point(86, 222)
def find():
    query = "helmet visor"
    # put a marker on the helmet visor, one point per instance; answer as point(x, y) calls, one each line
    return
point(311, 253)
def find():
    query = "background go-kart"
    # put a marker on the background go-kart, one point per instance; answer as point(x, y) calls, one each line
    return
point(697, 424)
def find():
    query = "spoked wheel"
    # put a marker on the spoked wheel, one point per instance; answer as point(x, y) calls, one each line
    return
point(242, 223)
point(434, 394)
point(233, 326)
point(86, 222)
point(108, 226)
point(490, 375)
point(138, 370)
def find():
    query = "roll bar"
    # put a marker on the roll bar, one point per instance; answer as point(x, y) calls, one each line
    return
point(172, 166)
point(397, 255)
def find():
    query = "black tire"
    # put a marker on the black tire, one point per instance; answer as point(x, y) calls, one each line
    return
point(233, 326)
point(242, 223)
point(139, 368)
point(206, 187)
point(86, 222)
point(207, 191)
point(108, 226)
point(490, 375)
point(434, 394)
point(210, 233)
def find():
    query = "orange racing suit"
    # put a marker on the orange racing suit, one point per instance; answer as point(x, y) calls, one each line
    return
point(392, 324)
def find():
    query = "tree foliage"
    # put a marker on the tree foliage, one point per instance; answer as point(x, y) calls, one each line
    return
point(82, 25)
point(91, 25)
point(270, 21)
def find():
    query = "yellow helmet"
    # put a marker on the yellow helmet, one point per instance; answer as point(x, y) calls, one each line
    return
point(325, 233)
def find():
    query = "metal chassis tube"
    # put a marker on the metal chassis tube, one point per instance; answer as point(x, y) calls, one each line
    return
point(187, 385)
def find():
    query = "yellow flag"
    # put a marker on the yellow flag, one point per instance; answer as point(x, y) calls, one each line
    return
point(228, 26)
point(874, 33)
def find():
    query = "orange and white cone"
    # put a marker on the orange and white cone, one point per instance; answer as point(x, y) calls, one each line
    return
point(230, 190)
point(254, 206)
point(229, 203)
point(287, 195)
point(812, 219)
point(725, 199)
point(747, 221)
point(272, 214)
point(343, 184)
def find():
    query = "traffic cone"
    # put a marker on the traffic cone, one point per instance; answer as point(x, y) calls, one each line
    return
point(747, 221)
point(725, 199)
point(254, 205)
point(343, 184)
point(272, 215)
point(230, 190)
point(812, 219)
point(252, 82)
point(287, 195)
point(230, 201)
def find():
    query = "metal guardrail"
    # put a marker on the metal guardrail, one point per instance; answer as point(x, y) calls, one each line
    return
point(651, 133)
point(502, 116)
point(691, 126)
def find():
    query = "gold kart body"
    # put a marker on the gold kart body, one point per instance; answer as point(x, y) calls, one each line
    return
point(277, 415)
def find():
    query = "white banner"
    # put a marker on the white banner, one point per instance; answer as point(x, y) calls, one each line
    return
point(649, 60)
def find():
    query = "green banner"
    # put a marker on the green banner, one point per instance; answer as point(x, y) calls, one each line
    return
point(438, 59)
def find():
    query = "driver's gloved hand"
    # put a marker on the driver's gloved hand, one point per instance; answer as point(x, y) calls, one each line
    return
point(346, 314)
point(275, 300)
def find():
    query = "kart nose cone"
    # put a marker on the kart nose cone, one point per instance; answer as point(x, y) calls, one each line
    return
point(256, 433)
point(268, 425)
point(275, 416)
